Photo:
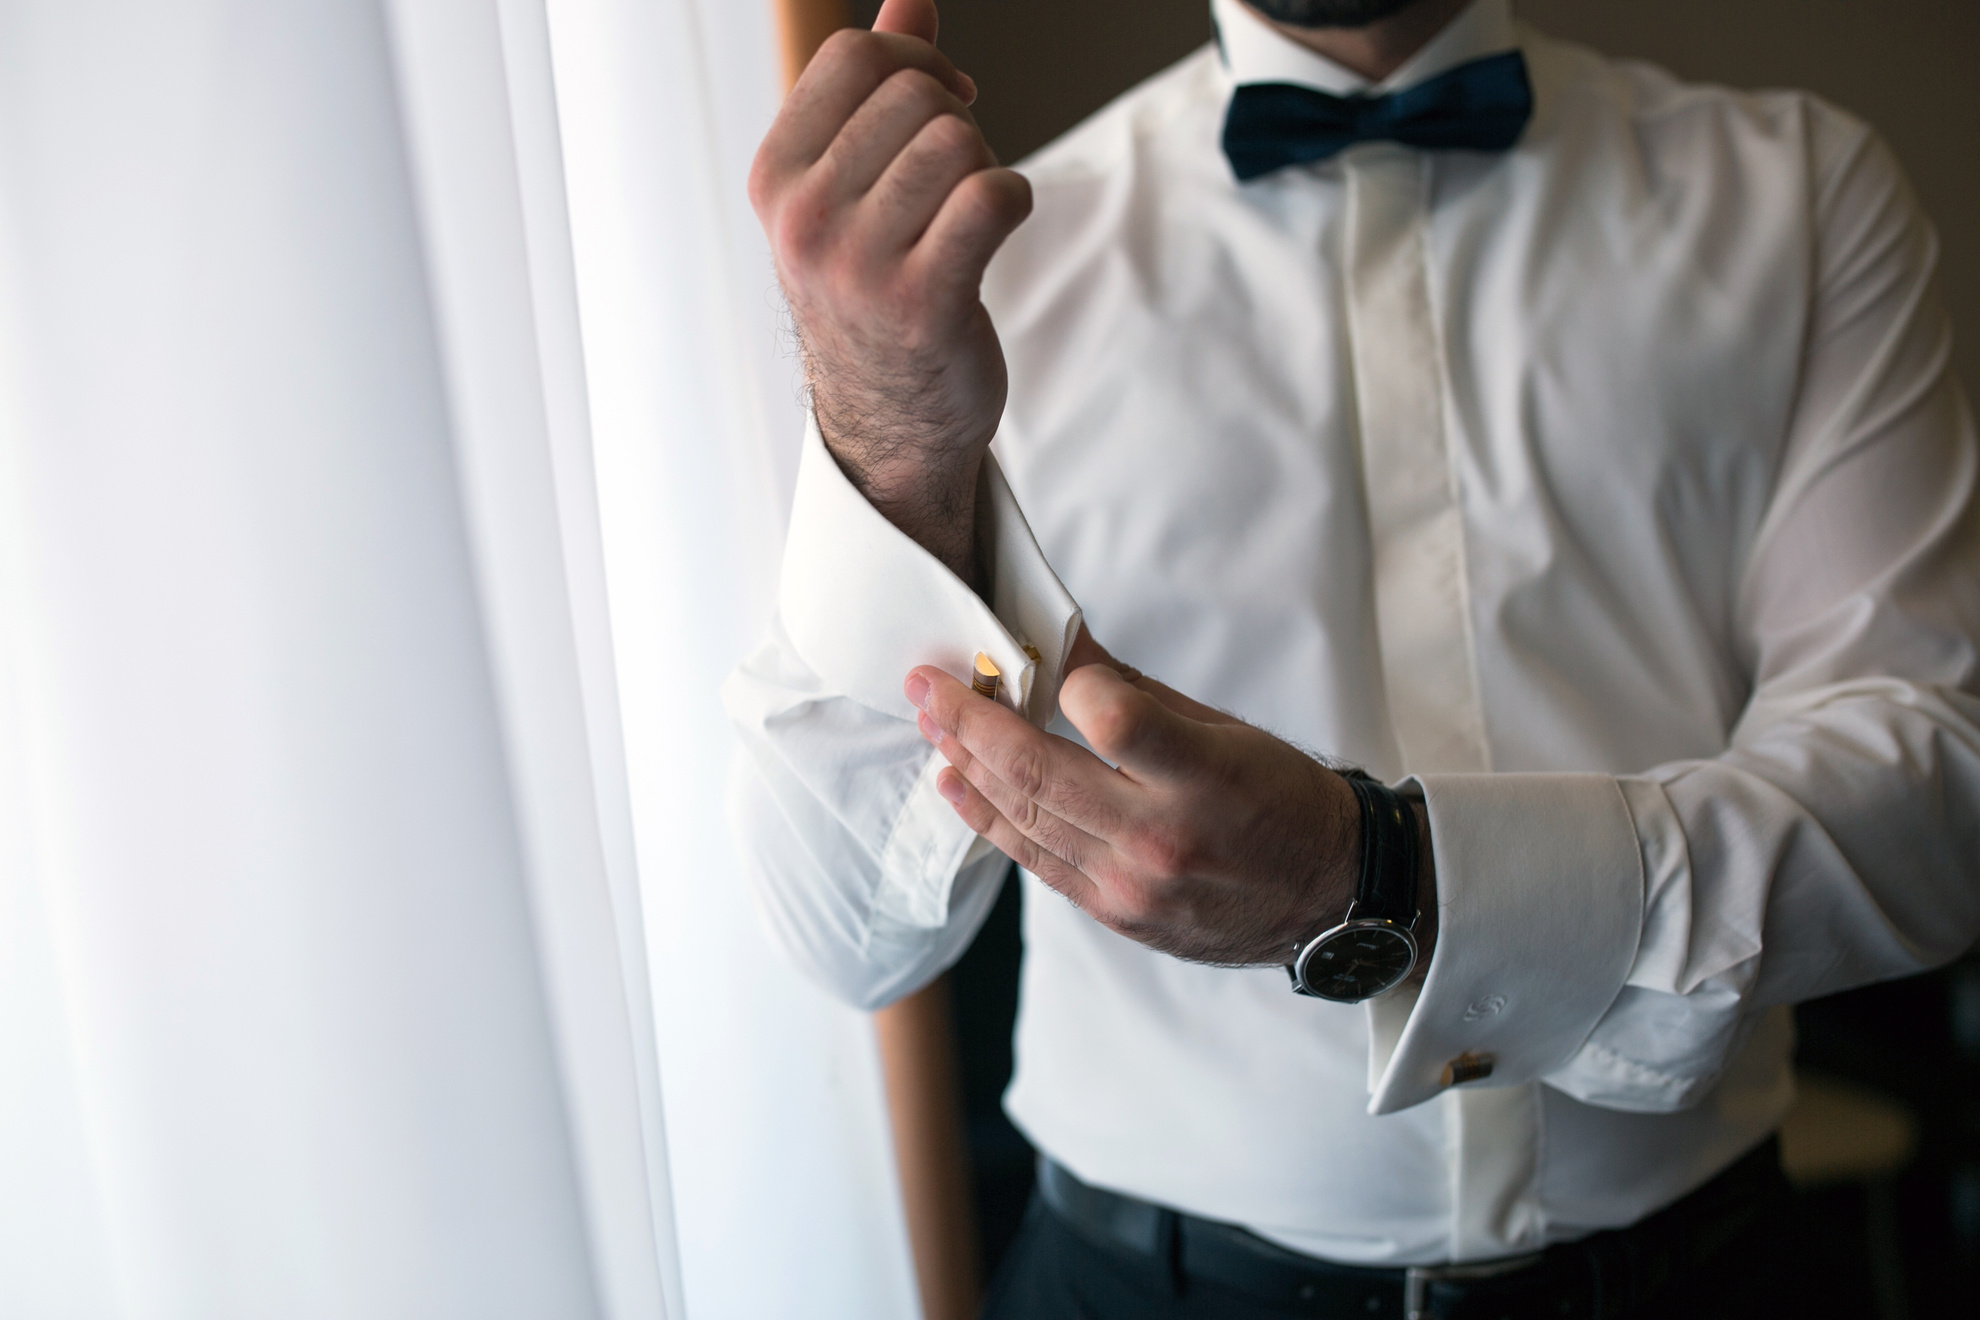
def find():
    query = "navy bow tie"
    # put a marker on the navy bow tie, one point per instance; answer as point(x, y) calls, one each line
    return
point(1482, 106)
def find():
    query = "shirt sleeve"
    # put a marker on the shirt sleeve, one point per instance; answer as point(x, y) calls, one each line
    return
point(862, 871)
point(1836, 840)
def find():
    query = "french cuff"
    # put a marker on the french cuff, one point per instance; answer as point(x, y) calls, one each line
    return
point(1540, 904)
point(863, 603)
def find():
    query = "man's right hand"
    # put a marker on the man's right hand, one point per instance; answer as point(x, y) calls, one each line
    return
point(883, 205)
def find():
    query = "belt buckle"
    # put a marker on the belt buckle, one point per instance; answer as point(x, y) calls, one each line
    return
point(1418, 1278)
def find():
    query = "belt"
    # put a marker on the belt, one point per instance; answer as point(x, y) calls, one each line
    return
point(1600, 1277)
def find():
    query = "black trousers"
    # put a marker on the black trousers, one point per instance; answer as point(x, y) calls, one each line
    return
point(1053, 1273)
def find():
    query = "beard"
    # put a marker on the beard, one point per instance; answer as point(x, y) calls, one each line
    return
point(1328, 13)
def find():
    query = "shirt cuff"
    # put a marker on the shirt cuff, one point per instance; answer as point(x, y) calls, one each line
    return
point(863, 603)
point(1540, 906)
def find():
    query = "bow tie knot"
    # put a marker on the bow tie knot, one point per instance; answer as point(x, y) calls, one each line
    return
point(1479, 106)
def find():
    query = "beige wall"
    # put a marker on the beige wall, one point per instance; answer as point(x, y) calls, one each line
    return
point(1911, 67)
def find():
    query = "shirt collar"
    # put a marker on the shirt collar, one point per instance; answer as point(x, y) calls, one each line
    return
point(1257, 52)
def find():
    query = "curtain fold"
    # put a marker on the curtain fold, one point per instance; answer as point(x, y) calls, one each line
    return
point(393, 438)
point(285, 892)
point(472, 78)
point(781, 1157)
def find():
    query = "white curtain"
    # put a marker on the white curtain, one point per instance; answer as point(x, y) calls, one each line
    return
point(393, 440)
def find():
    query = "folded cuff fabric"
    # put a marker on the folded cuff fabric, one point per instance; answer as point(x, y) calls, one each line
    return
point(1521, 975)
point(863, 603)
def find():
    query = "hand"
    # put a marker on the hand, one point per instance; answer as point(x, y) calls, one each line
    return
point(883, 205)
point(1212, 840)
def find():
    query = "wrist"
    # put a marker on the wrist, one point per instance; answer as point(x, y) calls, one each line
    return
point(931, 502)
point(1373, 947)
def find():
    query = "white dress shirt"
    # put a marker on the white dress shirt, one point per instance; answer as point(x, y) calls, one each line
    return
point(1611, 492)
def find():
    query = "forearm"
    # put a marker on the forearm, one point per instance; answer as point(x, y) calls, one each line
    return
point(883, 205)
point(933, 504)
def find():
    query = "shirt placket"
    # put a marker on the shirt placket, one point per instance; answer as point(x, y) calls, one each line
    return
point(1413, 516)
point(1423, 629)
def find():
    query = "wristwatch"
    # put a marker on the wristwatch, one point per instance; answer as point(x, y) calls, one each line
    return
point(1374, 948)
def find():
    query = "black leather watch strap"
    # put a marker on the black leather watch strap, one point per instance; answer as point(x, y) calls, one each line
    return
point(1389, 853)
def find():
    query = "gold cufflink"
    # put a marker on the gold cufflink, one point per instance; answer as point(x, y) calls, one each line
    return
point(987, 676)
point(1467, 1067)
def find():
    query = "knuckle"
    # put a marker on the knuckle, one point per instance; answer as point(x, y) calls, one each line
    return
point(915, 89)
point(995, 201)
point(1114, 723)
point(950, 135)
point(1076, 802)
point(1026, 854)
point(849, 46)
point(1160, 852)
point(1027, 773)
point(977, 814)
point(761, 186)
point(798, 228)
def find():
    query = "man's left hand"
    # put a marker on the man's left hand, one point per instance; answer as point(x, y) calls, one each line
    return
point(1207, 838)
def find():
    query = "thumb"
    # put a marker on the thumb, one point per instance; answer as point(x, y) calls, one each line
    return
point(1187, 707)
point(1087, 651)
point(1130, 727)
point(910, 18)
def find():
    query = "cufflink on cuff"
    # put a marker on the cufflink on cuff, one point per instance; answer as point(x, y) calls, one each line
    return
point(1468, 1067)
point(986, 678)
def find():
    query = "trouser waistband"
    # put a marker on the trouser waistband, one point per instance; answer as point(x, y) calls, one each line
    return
point(1600, 1277)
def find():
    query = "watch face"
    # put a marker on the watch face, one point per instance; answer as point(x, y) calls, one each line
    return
point(1357, 961)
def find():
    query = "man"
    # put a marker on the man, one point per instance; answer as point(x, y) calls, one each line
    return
point(1568, 448)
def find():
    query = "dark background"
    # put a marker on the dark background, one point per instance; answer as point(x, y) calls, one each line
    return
point(1911, 68)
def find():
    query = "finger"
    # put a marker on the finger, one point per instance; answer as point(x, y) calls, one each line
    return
point(902, 16)
point(975, 219)
point(888, 123)
point(914, 18)
point(1131, 727)
point(845, 72)
point(1086, 651)
point(1070, 844)
point(1187, 707)
point(978, 813)
point(911, 193)
point(1059, 775)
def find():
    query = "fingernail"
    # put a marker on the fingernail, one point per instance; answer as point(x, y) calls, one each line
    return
point(927, 727)
point(950, 786)
point(969, 87)
point(917, 690)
